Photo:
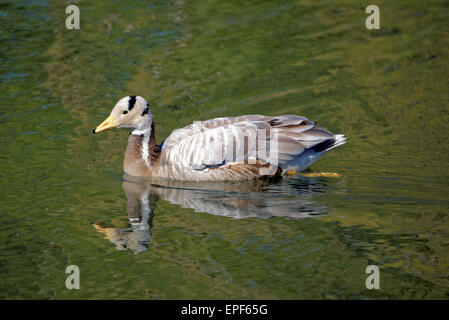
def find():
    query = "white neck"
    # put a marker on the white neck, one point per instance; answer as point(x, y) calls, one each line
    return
point(144, 152)
point(140, 132)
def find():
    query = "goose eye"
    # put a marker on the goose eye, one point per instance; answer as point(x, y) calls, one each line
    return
point(125, 112)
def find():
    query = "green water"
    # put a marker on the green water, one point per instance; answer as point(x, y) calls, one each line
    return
point(299, 238)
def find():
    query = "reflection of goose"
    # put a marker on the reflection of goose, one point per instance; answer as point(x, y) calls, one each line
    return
point(140, 206)
point(221, 149)
point(291, 198)
point(229, 201)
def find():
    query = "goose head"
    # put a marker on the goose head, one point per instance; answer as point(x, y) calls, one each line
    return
point(129, 112)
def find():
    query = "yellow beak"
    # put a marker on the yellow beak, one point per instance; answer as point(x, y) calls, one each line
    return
point(106, 124)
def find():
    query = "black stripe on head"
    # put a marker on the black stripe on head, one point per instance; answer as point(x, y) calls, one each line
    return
point(146, 110)
point(131, 102)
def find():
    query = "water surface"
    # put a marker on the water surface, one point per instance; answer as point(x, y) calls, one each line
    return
point(65, 199)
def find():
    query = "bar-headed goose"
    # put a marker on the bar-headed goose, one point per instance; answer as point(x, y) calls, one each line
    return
point(229, 148)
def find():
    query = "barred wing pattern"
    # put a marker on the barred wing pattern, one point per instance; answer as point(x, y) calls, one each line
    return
point(250, 146)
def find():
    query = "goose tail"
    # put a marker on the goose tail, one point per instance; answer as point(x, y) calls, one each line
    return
point(311, 155)
point(339, 140)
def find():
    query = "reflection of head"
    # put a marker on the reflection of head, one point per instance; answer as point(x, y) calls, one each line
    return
point(140, 208)
point(136, 240)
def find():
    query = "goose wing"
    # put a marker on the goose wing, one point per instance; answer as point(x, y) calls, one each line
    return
point(231, 140)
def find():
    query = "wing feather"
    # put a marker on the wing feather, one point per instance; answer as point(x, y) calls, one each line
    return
point(230, 140)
